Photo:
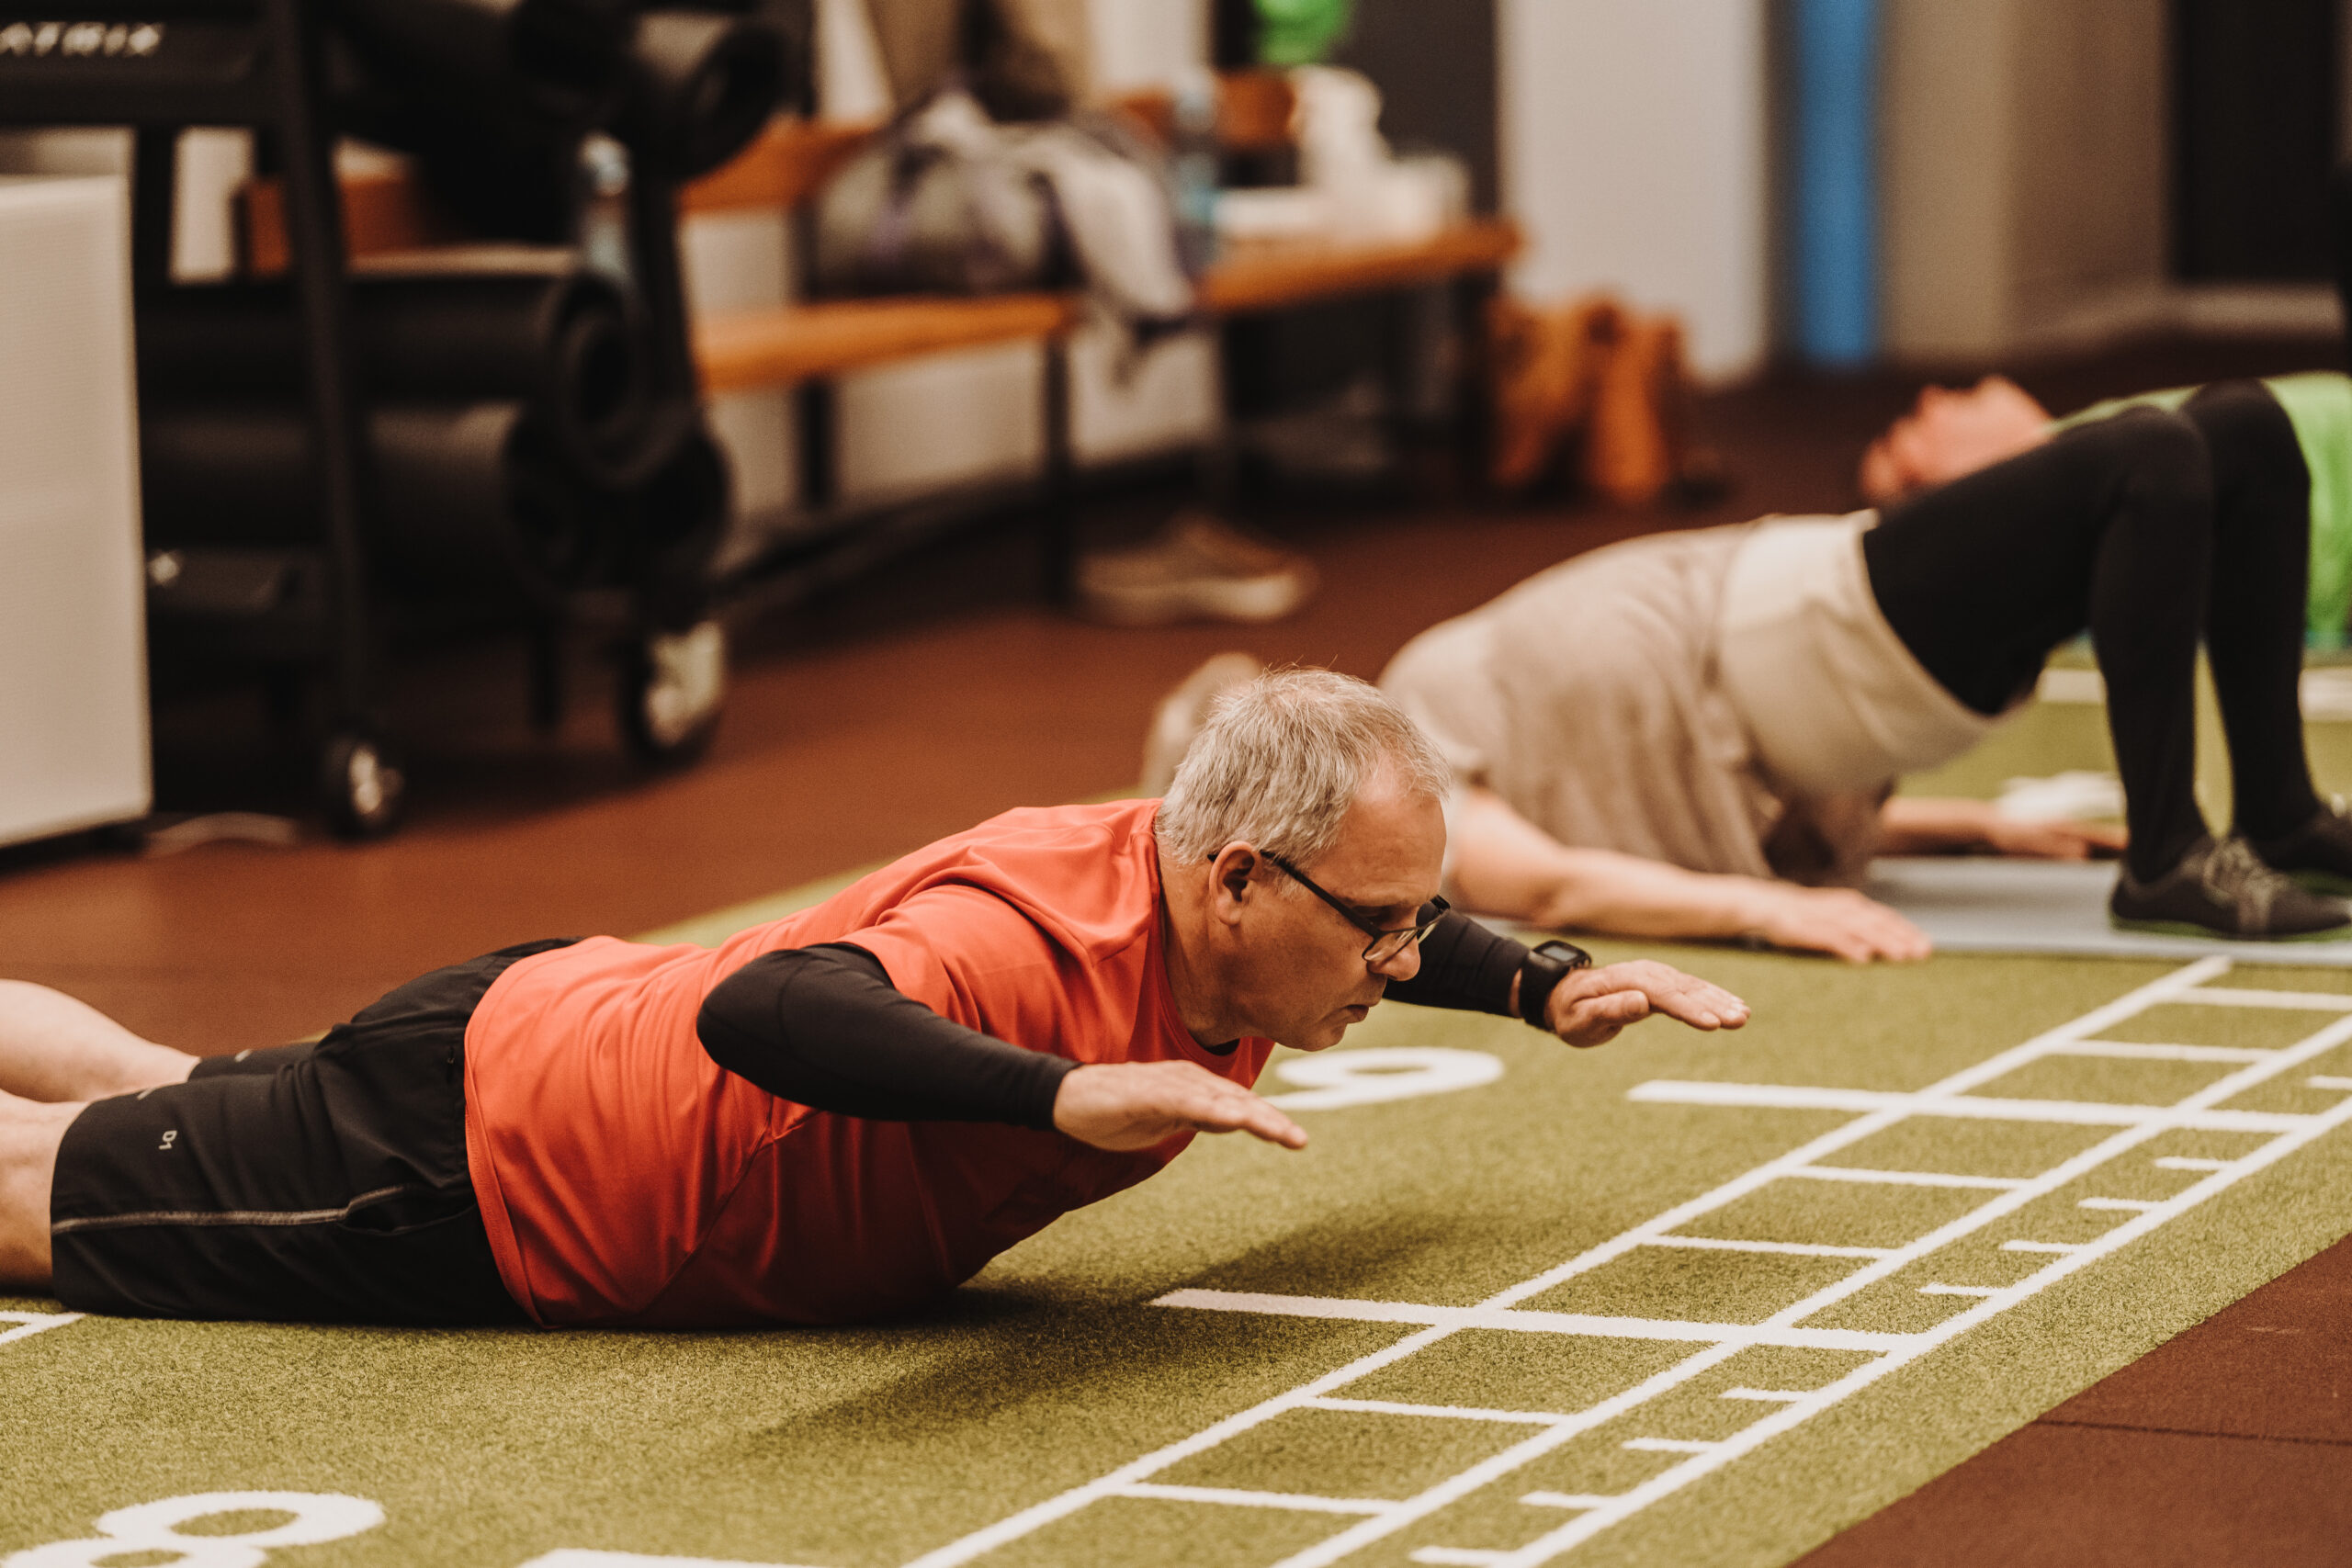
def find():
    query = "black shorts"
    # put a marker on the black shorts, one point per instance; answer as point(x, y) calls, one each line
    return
point(317, 1183)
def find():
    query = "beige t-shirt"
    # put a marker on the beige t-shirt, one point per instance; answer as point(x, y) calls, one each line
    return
point(1592, 698)
point(1832, 699)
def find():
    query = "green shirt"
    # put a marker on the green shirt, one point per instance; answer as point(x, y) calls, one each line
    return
point(2319, 405)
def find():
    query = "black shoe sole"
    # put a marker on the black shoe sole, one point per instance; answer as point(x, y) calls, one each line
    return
point(2208, 933)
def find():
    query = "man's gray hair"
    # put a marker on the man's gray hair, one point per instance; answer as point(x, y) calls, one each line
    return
point(1283, 758)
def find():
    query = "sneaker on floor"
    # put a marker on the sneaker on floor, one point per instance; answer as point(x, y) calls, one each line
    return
point(1198, 568)
point(1181, 713)
point(2318, 854)
point(2223, 889)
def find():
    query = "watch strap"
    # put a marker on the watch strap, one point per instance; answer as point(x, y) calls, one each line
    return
point(1540, 974)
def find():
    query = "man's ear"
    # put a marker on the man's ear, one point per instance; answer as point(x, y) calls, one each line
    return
point(1229, 875)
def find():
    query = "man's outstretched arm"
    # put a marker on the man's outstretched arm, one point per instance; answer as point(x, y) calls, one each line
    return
point(823, 1027)
point(1464, 966)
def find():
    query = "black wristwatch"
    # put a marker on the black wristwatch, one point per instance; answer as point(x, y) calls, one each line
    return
point(1540, 974)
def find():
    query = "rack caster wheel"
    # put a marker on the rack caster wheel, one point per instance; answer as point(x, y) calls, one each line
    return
point(361, 787)
point(672, 688)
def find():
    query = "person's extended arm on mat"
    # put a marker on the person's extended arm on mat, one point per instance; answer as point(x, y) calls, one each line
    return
point(1912, 825)
point(1506, 865)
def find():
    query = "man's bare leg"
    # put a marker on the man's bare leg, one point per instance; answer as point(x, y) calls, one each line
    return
point(29, 1134)
point(53, 1048)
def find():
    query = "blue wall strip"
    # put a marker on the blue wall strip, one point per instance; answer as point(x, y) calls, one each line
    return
point(1835, 179)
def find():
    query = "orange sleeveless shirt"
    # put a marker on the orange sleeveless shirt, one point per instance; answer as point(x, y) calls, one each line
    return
point(626, 1178)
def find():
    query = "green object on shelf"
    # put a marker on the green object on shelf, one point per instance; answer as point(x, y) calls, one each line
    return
point(1300, 32)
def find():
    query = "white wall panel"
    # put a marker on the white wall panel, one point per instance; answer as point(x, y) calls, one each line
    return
point(1635, 151)
point(1144, 42)
point(943, 420)
point(1167, 398)
point(2024, 177)
point(73, 633)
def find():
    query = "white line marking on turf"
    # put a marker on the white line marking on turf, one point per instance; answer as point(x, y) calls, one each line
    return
point(31, 1323)
point(2136, 1205)
point(1668, 1445)
point(2244, 996)
point(1243, 1497)
point(572, 1557)
point(1770, 1395)
point(1960, 1290)
point(2041, 1247)
point(1446, 1412)
point(1904, 1178)
point(2328, 1083)
point(1457, 1556)
point(1981, 1108)
point(1566, 1500)
point(2186, 1162)
point(2130, 1051)
point(1525, 1321)
point(1875, 1111)
point(1795, 1248)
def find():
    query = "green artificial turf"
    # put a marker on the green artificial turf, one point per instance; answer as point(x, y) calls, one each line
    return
point(865, 1448)
point(871, 1447)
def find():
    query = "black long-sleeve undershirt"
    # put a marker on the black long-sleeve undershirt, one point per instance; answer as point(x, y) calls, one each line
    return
point(823, 1027)
point(1464, 966)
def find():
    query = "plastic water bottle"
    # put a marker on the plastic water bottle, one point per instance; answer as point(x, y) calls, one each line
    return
point(1194, 166)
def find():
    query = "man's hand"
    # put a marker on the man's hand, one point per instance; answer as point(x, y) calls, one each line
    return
point(1838, 922)
point(1591, 1007)
point(1133, 1105)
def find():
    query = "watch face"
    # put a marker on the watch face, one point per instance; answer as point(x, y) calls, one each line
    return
point(1567, 953)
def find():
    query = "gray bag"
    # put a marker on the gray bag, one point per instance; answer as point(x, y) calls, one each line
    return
point(946, 200)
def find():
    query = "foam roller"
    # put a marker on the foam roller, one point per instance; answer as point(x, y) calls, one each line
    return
point(467, 500)
point(572, 343)
point(701, 84)
point(555, 64)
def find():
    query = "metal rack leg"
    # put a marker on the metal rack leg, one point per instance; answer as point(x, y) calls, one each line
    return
point(1060, 506)
point(155, 194)
point(314, 227)
point(1474, 392)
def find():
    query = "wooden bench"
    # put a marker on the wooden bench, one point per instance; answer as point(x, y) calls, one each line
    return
point(807, 344)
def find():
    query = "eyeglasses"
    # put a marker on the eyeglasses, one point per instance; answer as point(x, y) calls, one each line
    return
point(1387, 942)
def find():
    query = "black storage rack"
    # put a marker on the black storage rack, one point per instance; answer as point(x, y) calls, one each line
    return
point(263, 64)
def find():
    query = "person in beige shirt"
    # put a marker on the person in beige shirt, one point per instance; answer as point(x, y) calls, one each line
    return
point(1699, 734)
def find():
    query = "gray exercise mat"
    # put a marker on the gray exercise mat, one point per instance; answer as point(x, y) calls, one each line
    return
point(1983, 905)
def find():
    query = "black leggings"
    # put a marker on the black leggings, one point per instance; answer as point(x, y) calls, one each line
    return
point(2146, 529)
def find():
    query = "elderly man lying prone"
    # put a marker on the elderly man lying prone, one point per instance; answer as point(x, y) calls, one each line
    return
point(836, 1115)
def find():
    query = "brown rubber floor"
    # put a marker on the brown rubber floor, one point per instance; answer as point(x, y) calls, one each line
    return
point(940, 692)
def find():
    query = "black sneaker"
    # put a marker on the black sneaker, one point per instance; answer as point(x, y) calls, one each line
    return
point(2223, 889)
point(2318, 854)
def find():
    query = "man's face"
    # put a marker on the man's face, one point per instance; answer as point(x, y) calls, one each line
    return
point(1951, 432)
point(1300, 976)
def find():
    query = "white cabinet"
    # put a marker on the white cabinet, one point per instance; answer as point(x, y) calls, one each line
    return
point(74, 748)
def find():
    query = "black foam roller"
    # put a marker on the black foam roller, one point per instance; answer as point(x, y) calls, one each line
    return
point(568, 341)
point(701, 84)
point(466, 501)
point(554, 65)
